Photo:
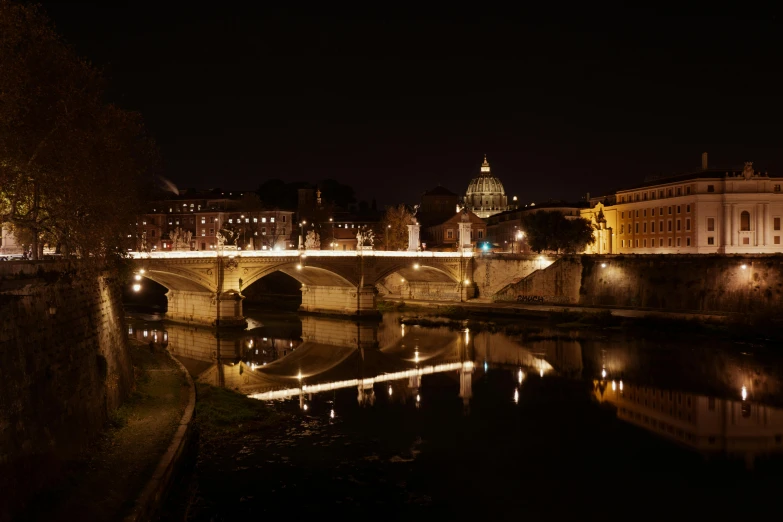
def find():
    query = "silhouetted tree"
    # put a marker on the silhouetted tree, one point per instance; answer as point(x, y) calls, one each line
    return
point(552, 231)
point(394, 227)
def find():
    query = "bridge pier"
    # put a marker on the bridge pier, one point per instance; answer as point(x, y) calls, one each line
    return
point(341, 300)
point(205, 308)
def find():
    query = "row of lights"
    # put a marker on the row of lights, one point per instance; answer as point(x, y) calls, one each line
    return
point(137, 278)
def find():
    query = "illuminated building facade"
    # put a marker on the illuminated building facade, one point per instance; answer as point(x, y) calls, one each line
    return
point(711, 211)
point(485, 195)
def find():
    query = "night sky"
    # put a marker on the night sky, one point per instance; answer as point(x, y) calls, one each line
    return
point(395, 103)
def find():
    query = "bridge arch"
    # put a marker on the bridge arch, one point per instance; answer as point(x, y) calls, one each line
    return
point(176, 281)
point(306, 273)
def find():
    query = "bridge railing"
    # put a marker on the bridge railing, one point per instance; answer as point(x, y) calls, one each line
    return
point(293, 253)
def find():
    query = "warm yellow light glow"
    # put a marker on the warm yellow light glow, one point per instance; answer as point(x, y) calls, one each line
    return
point(305, 407)
point(136, 287)
point(744, 266)
point(418, 398)
point(299, 376)
point(603, 373)
point(137, 277)
point(744, 393)
point(603, 265)
point(416, 356)
point(402, 280)
point(467, 281)
point(614, 386)
point(416, 266)
point(520, 376)
point(516, 395)
point(541, 372)
point(331, 413)
point(390, 390)
point(298, 266)
point(621, 385)
point(141, 271)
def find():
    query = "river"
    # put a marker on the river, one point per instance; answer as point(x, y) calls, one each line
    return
point(405, 421)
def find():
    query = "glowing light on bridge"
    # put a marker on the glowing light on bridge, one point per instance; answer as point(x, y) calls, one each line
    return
point(603, 373)
point(278, 252)
point(744, 393)
point(614, 386)
point(516, 396)
point(137, 277)
point(621, 385)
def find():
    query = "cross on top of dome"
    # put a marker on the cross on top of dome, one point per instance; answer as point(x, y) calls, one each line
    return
point(485, 166)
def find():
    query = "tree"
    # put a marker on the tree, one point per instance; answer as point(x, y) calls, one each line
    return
point(72, 167)
point(552, 231)
point(395, 227)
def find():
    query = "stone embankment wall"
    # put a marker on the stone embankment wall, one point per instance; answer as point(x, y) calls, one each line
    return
point(705, 283)
point(65, 366)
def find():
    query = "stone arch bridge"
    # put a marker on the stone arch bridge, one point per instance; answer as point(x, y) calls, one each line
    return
point(206, 287)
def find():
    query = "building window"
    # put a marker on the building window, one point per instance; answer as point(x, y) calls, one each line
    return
point(710, 240)
point(637, 227)
point(152, 233)
point(637, 243)
point(653, 212)
point(645, 243)
point(687, 241)
point(660, 242)
point(687, 208)
point(776, 240)
point(710, 188)
point(282, 231)
point(660, 226)
point(203, 220)
point(669, 192)
point(710, 224)
point(670, 226)
point(644, 196)
point(678, 241)
point(670, 211)
point(688, 224)
point(622, 215)
point(776, 223)
point(284, 220)
point(777, 188)
point(623, 243)
point(480, 234)
point(271, 220)
point(652, 227)
point(679, 209)
point(230, 220)
point(652, 195)
point(745, 221)
point(687, 190)
point(211, 231)
point(679, 193)
point(450, 234)
point(263, 231)
point(745, 240)
point(263, 220)
point(637, 213)
point(255, 220)
point(203, 232)
point(670, 241)
point(143, 222)
point(622, 227)
point(644, 227)
point(678, 225)
point(644, 212)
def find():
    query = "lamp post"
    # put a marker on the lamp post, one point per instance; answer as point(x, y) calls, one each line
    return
point(301, 234)
point(520, 235)
point(331, 220)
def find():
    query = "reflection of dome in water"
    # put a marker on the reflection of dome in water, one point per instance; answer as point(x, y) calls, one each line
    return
point(486, 195)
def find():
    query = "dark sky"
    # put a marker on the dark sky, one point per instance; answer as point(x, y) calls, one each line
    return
point(397, 102)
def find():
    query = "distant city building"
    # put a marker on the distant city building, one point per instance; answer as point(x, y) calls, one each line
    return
point(445, 235)
point(200, 216)
point(732, 211)
point(485, 195)
point(437, 205)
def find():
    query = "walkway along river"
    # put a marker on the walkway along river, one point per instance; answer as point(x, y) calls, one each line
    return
point(392, 421)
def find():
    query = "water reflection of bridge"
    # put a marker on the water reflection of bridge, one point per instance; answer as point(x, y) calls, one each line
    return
point(332, 353)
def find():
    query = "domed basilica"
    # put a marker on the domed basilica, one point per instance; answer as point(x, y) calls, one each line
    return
point(485, 196)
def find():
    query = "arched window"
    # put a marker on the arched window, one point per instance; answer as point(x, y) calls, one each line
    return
point(745, 221)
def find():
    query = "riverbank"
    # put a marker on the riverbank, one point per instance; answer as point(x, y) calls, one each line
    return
point(105, 481)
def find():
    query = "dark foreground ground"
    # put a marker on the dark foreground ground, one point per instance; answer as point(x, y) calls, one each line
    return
point(555, 455)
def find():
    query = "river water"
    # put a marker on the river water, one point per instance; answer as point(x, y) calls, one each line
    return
point(404, 421)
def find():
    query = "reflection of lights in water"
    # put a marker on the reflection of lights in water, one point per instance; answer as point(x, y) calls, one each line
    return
point(256, 351)
point(331, 414)
point(390, 390)
point(516, 395)
point(364, 383)
point(145, 333)
point(418, 398)
point(130, 330)
point(416, 356)
point(541, 372)
point(744, 393)
point(603, 373)
point(291, 344)
point(155, 336)
point(614, 386)
point(305, 407)
point(141, 271)
point(520, 376)
point(250, 343)
point(486, 366)
point(165, 336)
point(264, 339)
point(467, 335)
point(300, 375)
point(136, 287)
point(621, 385)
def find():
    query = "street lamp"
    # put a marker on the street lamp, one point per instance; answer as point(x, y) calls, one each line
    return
point(520, 235)
point(332, 222)
point(301, 233)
